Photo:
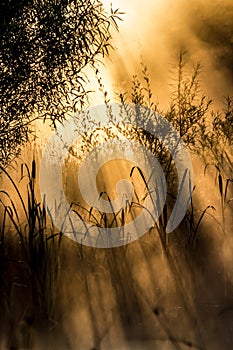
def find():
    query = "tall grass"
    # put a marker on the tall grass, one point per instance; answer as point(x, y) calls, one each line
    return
point(32, 246)
point(38, 245)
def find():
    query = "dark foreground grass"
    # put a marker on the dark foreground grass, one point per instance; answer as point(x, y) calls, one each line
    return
point(49, 282)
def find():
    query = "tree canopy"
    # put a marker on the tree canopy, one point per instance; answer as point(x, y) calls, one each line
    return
point(43, 51)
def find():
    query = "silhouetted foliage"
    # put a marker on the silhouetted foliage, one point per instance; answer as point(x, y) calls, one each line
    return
point(43, 52)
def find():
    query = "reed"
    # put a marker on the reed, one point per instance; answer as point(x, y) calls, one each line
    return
point(38, 256)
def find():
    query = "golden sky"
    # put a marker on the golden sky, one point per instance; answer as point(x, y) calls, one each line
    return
point(157, 29)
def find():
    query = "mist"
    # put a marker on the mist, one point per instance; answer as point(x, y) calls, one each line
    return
point(160, 291)
point(155, 31)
